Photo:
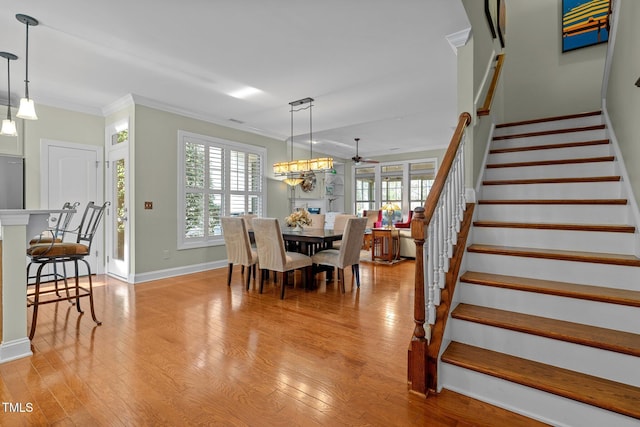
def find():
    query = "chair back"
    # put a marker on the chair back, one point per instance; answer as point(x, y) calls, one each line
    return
point(317, 221)
point(372, 216)
point(64, 219)
point(89, 223)
point(352, 241)
point(269, 243)
point(248, 220)
point(340, 222)
point(236, 239)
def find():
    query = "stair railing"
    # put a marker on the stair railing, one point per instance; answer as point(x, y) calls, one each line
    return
point(437, 223)
point(485, 110)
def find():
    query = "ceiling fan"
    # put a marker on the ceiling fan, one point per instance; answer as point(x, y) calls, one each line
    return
point(359, 160)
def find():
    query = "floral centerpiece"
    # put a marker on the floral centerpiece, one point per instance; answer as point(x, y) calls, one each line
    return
point(298, 219)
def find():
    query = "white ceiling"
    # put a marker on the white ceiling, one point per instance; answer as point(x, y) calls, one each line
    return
point(380, 70)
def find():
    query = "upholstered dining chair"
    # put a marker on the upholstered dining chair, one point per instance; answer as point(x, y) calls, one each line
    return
point(56, 252)
point(317, 221)
point(273, 256)
point(349, 252)
point(339, 224)
point(236, 239)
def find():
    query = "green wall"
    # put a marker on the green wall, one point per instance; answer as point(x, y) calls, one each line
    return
point(539, 80)
point(623, 97)
point(54, 124)
point(155, 151)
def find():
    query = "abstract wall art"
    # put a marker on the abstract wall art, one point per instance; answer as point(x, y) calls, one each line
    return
point(584, 23)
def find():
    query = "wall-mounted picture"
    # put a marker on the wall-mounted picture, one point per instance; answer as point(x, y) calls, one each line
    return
point(584, 23)
point(496, 15)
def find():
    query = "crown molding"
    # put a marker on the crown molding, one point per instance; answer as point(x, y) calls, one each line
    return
point(458, 39)
point(162, 106)
point(118, 105)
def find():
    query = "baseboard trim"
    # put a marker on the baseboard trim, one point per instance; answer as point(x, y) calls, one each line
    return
point(15, 349)
point(178, 271)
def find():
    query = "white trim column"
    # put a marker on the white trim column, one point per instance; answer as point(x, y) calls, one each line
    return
point(13, 286)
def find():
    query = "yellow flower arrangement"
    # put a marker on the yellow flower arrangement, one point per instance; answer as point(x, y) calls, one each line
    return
point(298, 218)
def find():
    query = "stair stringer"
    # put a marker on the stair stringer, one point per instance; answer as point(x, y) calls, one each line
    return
point(622, 171)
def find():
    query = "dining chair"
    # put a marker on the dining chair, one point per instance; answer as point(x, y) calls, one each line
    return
point(236, 239)
point(317, 221)
point(59, 252)
point(55, 234)
point(349, 252)
point(339, 224)
point(248, 220)
point(273, 256)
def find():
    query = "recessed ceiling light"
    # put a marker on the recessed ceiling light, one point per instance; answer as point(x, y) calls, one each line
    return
point(245, 92)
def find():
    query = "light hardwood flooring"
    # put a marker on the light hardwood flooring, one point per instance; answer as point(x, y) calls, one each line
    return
point(191, 351)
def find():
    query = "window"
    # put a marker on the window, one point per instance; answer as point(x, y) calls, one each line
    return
point(421, 176)
point(404, 183)
point(365, 189)
point(216, 178)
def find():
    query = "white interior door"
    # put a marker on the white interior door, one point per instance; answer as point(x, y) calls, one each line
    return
point(73, 173)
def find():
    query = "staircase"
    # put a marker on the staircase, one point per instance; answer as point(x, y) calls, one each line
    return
point(547, 321)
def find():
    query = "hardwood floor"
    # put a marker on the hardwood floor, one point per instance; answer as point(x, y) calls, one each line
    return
point(192, 351)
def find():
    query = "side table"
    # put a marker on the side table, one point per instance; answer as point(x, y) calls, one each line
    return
point(385, 244)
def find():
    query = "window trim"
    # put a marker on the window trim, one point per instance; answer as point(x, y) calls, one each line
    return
point(225, 144)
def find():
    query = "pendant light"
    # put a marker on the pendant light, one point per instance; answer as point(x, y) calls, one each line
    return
point(294, 169)
point(27, 109)
point(8, 124)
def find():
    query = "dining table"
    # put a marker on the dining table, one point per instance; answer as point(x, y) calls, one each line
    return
point(308, 241)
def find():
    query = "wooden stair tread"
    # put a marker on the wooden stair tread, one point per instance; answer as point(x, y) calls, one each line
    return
point(551, 162)
point(556, 254)
point(605, 394)
point(549, 132)
point(551, 287)
point(554, 202)
point(550, 119)
point(551, 226)
point(553, 180)
point(577, 333)
point(550, 146)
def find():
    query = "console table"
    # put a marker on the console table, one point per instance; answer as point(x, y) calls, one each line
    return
point(385, 244)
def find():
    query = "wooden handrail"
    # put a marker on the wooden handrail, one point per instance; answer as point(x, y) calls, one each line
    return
point(418, 348)
point(486, 107)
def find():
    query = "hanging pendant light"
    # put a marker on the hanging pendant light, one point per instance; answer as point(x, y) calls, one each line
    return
point(294, 169)
point(8, 124)
point(27, 108)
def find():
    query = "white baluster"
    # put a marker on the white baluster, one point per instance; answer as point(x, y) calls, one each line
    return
point(441, 243)
point(430, 269)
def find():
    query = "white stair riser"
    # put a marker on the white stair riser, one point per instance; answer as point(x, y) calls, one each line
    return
point(545, 407)
point(595, 313)
point(575, 357)
point(551, 125)
point(579, 190)
point(551, 154)
point(560, 138)
point(585, 273)
point(566, 214)
point(552, 171)
point(619, 243)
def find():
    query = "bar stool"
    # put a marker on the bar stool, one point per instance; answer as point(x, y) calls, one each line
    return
point(55, 252)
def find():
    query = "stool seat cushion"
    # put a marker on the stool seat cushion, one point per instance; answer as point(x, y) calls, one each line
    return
point(44, 239)
point(58, 250)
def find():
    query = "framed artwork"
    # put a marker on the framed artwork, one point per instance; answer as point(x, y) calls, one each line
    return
point(495, 13)
point(584, 23)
